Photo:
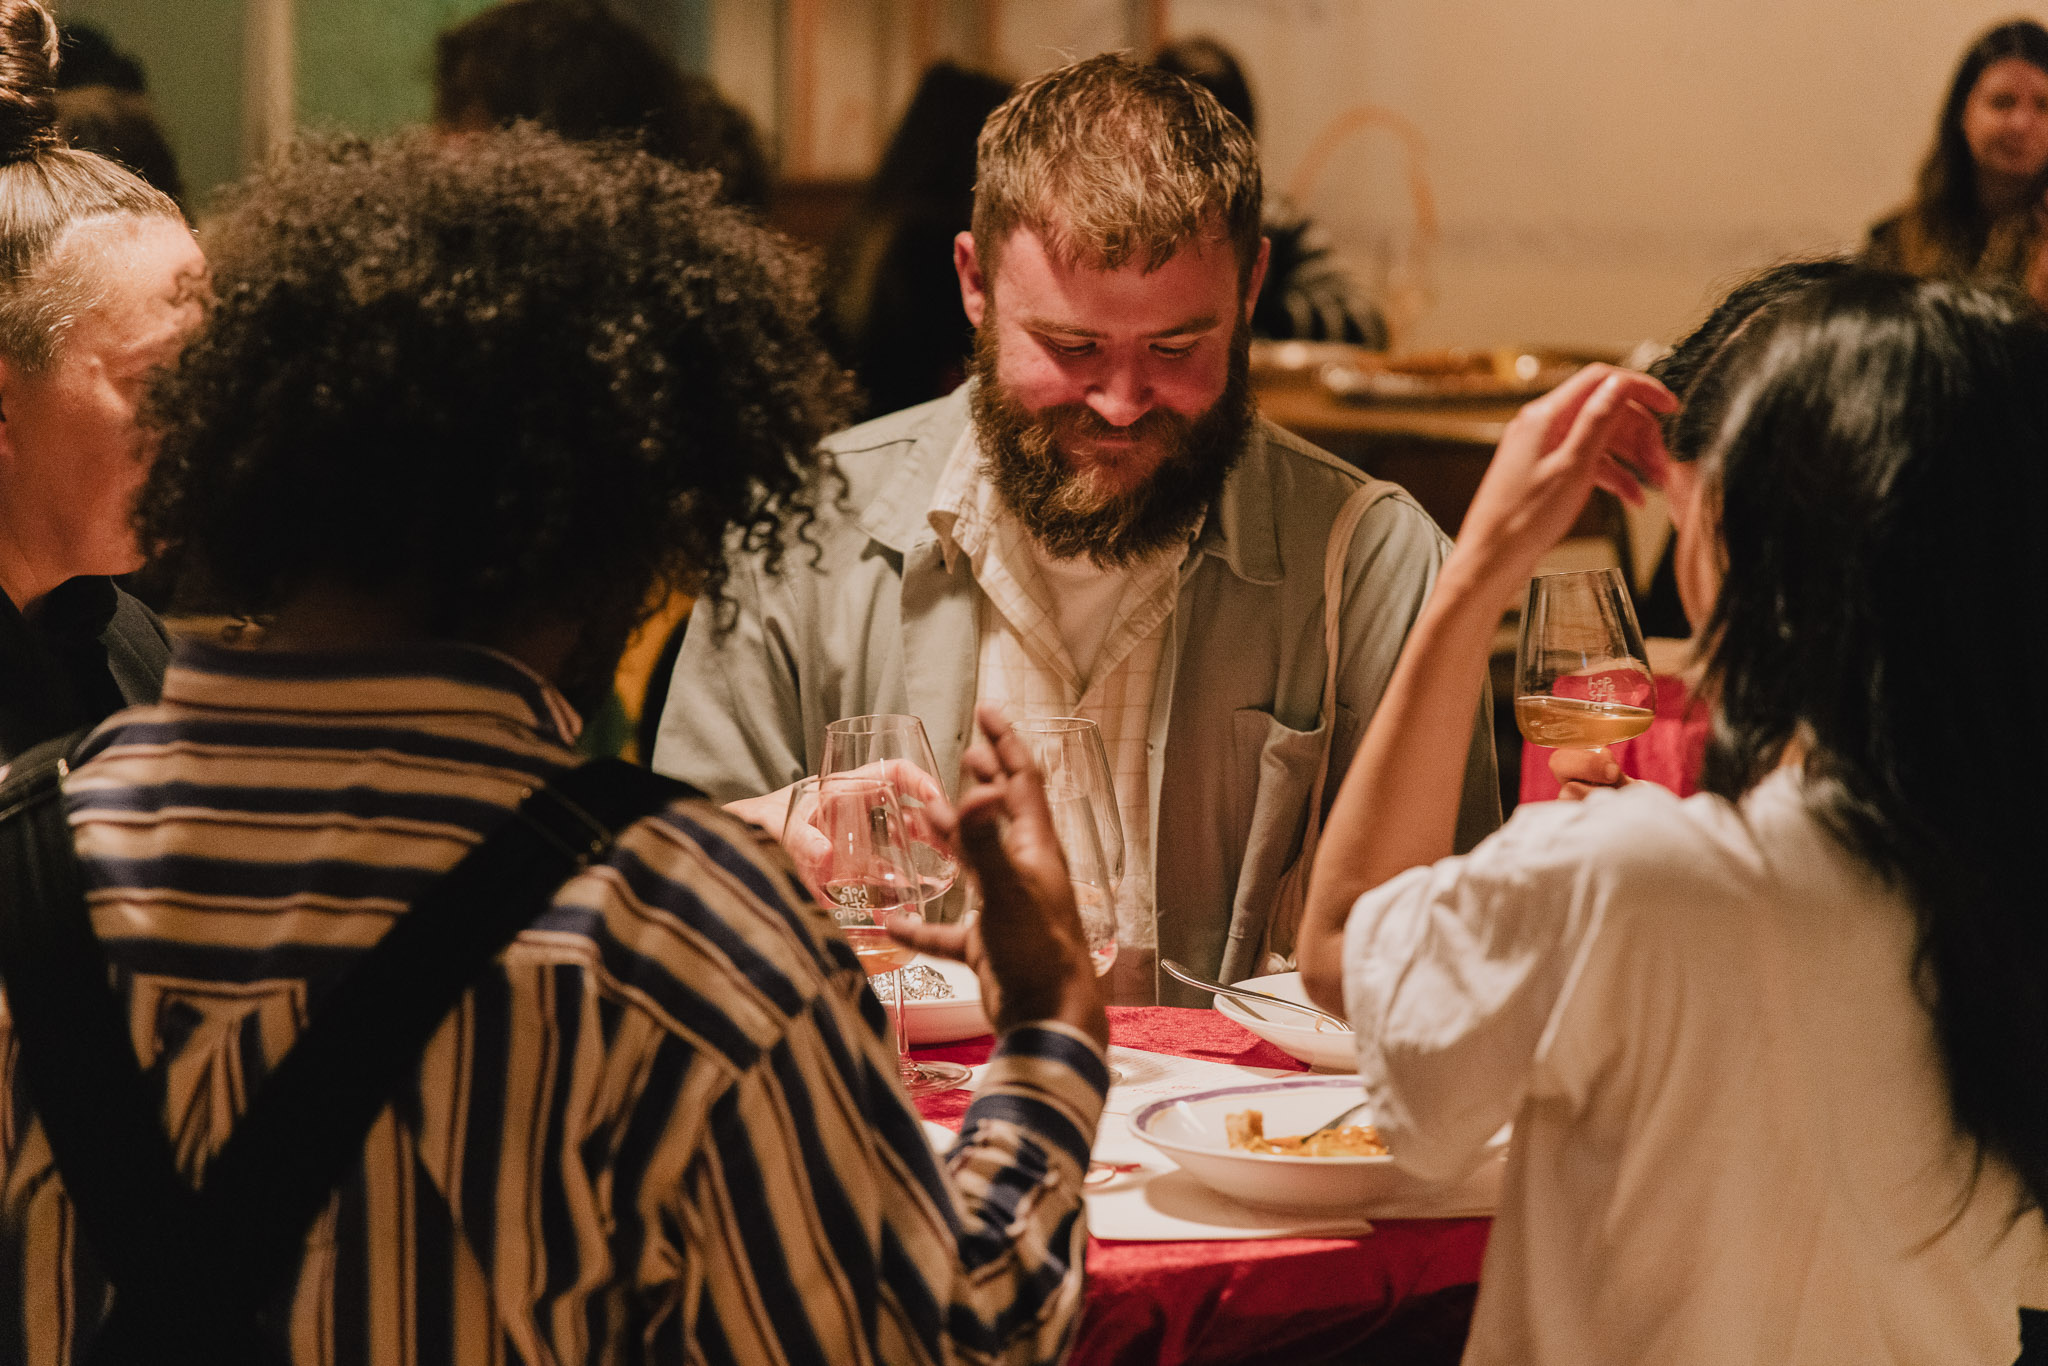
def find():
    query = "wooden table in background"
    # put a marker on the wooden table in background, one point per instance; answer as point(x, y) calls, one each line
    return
point(1436, 450)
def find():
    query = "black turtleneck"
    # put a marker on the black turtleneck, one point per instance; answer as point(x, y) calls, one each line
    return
point(89, 650)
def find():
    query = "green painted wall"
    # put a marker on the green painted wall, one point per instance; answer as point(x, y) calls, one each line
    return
point(363, 65)
point(368, 65)
point(192, 50)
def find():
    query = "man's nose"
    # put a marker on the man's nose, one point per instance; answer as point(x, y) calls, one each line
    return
point(1122, 396)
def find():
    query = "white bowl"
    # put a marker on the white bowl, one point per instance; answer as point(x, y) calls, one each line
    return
point(1324, 1047)
point(949, 1019)
point(1190, 1129)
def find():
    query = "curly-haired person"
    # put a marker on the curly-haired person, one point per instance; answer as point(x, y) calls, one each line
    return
point(459, 410)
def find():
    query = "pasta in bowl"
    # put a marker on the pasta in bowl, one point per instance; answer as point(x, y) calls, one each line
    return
point(1195, 1131)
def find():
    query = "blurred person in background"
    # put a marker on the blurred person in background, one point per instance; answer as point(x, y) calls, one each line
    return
point(100, 280)
point(577, 69)
point(1308, 294)
point(87, 56)
point(893, 313)
point(122, 127)
point(103, 106)
point(1977, 209)
point(458, 409)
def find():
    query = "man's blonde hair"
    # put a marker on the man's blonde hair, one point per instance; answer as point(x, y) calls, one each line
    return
point(1110, 162)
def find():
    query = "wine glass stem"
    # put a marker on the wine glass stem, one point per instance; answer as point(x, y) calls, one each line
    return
point(904, 1065)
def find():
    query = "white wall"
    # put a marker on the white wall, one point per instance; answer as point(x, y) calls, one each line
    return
point(1601, 167)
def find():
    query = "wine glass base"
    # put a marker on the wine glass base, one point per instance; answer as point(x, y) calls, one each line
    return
point(923, 1078)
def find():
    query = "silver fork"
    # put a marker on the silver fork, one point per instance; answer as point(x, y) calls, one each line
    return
point(1195, 979)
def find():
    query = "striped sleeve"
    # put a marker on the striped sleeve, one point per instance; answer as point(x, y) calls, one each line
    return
point(819, 1227)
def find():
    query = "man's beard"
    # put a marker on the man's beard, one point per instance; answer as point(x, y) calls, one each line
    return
point(1056, 498)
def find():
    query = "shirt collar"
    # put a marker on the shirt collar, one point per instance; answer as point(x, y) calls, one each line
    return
point(1240, 528)
point(395, 680)
point(963, 504)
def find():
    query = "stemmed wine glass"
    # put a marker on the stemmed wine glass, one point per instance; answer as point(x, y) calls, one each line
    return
point(1076, 823)
point(1078, 826)
point(866, 873)
point(1582, 676)
point(897, 749)
point(1070, 756)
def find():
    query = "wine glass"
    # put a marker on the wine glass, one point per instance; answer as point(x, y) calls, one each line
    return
point(867, 875)
point(897, 748)
point(1075, 822)
point(1070, 755)
point(1077, 825)
point(1582, 676)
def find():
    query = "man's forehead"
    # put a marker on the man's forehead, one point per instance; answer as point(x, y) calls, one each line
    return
point(1033, 283)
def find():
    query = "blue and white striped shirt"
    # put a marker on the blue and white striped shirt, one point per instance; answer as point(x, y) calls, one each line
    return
point(664, 1125)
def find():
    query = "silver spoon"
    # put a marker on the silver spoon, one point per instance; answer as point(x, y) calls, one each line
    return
point(1195, 979)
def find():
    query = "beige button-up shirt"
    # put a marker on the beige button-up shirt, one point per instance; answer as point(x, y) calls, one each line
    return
point(1025, 666)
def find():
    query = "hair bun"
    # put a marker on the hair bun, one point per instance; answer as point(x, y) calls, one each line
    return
point(28, 79)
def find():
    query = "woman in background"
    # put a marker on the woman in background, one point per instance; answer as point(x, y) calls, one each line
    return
point(1975, 213)
point(1776, 1055)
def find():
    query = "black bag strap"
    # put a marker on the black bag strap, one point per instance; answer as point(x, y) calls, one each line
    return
point(194, 1271)
point(56, 978)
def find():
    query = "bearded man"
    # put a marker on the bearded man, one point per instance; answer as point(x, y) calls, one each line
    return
point(1098, 524)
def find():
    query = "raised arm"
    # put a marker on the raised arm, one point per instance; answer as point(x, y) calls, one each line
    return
point(1398, 805)
point(818, 1224)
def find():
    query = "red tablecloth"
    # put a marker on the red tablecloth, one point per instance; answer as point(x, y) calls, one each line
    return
point(1296, 1300)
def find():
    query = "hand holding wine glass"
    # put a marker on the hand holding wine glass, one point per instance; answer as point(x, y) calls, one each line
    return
point(1027, 946)
point(1582, 680)
point(867, 876)
point(896, 748)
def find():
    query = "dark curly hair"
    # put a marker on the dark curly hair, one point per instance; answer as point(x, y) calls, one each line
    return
point(494, 378)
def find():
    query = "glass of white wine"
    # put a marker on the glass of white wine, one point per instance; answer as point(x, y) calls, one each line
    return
point(1582, 676)
point(869, 878)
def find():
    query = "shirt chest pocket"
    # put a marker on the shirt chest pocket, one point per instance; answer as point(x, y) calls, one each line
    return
point(1273, 770)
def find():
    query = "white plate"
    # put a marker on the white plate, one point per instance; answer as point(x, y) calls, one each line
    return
point(1323, 1047)
point(1190, 1129)
point(951, 1019)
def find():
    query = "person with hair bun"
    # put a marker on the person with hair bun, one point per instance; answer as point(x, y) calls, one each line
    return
point(100, 281)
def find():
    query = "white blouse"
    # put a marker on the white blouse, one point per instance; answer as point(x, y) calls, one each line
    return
point(1732, 1132)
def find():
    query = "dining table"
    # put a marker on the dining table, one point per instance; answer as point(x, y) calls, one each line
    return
point(1401, 1293)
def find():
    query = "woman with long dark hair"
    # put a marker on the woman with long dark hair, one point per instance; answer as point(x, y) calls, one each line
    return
point(1776, 1055)
point(1974, 206)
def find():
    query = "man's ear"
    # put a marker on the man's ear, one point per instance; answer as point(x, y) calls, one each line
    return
point(973, 286)
point(1255, 278)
